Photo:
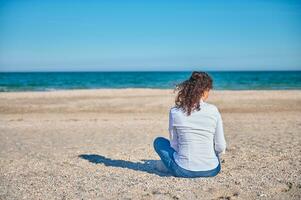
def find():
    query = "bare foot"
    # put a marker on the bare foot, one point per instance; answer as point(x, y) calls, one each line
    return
point(159, 166)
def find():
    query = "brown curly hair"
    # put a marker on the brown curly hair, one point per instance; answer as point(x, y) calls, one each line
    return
point(191, 91)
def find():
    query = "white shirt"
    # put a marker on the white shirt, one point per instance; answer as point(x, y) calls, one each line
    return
point(197, 137)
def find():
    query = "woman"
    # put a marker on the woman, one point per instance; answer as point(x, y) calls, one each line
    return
point(195, 130)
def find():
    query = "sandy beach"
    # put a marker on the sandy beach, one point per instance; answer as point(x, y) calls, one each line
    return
point(97, 144)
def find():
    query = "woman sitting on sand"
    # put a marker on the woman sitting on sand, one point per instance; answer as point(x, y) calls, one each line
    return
point(196, 132)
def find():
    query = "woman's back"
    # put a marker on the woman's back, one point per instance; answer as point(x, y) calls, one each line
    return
point(196, 137)
point(196, 131)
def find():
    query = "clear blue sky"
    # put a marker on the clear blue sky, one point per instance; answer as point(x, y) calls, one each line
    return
point(106, 35)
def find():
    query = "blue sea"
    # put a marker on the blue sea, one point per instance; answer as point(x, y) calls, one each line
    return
point(231, 80)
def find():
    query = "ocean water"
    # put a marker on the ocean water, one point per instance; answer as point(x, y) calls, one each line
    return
point(45, 81)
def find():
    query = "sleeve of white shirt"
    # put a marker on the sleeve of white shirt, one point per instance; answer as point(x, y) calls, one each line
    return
point(219, 139)
point(172, 134)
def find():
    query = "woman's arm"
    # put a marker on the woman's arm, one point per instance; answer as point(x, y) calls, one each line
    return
point(172, 134)
point(219, 138)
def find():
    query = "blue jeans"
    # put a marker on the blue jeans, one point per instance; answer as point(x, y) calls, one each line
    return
point(165, 151)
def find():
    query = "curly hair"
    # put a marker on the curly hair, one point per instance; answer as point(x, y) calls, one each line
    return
point(191, 91)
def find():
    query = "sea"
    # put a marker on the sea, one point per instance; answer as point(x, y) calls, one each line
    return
point(223, 80)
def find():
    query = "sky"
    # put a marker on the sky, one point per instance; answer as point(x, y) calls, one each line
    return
point(156, 35)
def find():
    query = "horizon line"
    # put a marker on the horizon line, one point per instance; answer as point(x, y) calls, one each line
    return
point(104, 71)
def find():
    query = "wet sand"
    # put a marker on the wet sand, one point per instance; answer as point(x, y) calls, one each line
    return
point(97, 144)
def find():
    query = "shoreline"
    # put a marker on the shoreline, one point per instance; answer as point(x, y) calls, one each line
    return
point(140, 88)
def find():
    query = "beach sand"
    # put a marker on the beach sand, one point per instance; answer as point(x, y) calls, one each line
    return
point(97, 144)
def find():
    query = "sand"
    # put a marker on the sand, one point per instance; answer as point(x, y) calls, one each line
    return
point(97, 144)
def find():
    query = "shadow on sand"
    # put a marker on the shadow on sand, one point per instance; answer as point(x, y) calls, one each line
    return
point(144, 166)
